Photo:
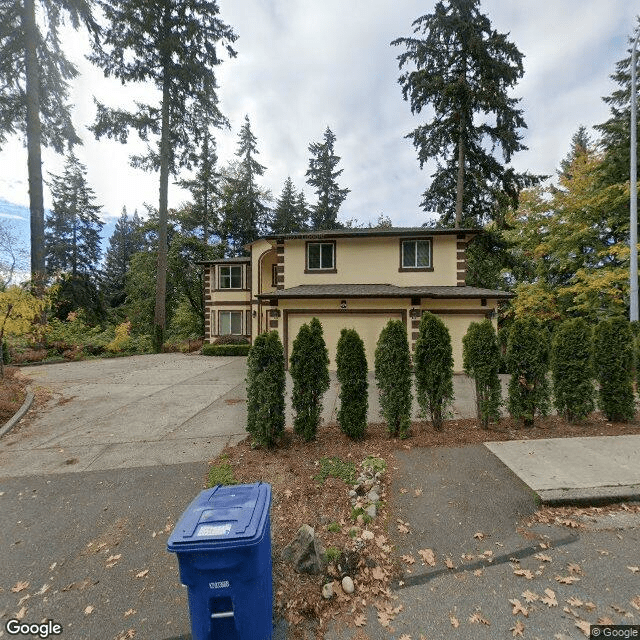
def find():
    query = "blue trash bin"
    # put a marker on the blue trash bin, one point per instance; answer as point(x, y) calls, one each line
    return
point(223, 544)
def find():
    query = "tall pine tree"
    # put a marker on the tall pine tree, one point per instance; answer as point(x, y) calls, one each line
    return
point(287, 214)
point(204, 188)
point(322, 175)
point(172, 44)
point(72, 229)
point(34, 76)
point(126, 239)
point(244, 201)
point(463, 70)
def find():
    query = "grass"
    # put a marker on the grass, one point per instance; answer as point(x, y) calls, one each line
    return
point(221, 473)
point(333, 527)
point(332, 553)
point(336, 468)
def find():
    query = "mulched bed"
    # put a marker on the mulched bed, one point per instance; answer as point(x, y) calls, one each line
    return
point(12, 393)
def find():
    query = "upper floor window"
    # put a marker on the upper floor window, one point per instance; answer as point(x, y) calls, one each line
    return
point(416, 254)
point(321, 256)
point(231, 277)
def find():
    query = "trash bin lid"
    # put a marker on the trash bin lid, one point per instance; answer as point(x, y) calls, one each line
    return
point(225, 516)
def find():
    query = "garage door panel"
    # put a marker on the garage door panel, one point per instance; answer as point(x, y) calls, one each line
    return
point(367, 325)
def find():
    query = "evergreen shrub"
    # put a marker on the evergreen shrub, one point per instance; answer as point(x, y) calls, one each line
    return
point(309, 369)
point(351, 363)
point(613, 361)
point(393, 377)
point(572, 369)
point(481, 361)
point(225, 349)
point(528, 363)
point(433, 366)
point(265, 389)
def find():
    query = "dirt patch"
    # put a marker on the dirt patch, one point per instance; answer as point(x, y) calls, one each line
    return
point(300, 498)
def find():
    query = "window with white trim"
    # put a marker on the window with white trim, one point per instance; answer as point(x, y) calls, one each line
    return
point(231, 277)
point(416, 254)
point(320, 255)
point(230, 323)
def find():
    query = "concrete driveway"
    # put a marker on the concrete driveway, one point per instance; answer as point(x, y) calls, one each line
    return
point(129, 412)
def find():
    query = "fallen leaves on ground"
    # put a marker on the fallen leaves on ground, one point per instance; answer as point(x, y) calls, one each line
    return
point(409, 559)
point(113, 560)
point(129, 612)
point(88, 609)
point(542, 557)
point(20, 586)
point(403, 527)
point(478, 618)
point(634, 569)
point(635, 603)
point(449, 562)
point(428, 557)
point(21, 614)
point(517, 629)
point(550, 598)
point(518, 608)
point(530, 596)
point(479, 535)
point(142, 574)
point(359, 620)
point(584, 626)
point(524, 573)
point(567, 579)
point(455, 623)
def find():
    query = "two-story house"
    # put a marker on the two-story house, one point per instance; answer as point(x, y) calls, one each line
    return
point(355, 278)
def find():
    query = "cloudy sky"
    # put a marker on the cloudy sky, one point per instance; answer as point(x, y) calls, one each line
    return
point(303, 65)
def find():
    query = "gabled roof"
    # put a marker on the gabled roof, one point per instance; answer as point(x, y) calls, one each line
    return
point(383, 291)
point(364, 232)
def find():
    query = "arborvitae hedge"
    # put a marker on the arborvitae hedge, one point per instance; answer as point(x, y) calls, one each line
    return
point(433, 366)
point(528, 362)
point(225, 349)
point(309, 369)
point(481, 361)
point(265, 389)
point(572, 369)
point(393, 376)
point(351, 362)
point(613, 362)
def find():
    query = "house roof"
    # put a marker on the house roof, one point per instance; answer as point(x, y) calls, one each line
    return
point(225, 260)
point(382, 291)
point(389, 231)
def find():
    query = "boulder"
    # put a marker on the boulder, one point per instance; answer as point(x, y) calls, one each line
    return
point(305, 552)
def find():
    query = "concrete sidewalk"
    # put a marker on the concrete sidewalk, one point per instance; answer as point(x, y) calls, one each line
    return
point(576, 470)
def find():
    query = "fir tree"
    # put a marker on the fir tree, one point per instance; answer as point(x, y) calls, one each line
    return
point(581, 145)
point(322, 176)
point(125, 240)
point(464, 70)
point(174, 45)
point(244, 209)
point(72, 237)
point(302, 211)
point(286, 215)
point(34, 76)
point(204, 188)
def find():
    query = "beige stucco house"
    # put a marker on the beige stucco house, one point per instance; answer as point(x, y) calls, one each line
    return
point(356, 278)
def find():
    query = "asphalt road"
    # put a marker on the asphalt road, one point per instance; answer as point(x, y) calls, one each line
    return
point(470, 510)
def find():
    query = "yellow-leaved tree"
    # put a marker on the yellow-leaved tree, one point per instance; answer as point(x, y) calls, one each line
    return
point(18, 310)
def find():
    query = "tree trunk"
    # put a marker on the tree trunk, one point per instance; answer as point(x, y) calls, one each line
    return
point(161, 273)
point(460, 182)
point(34, 135)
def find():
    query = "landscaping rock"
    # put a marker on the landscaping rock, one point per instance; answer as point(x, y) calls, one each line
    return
point(305, 552)
point(352, 493)
point(327, 591)
point(371, 511)
point(372, 496)
point(347, 585)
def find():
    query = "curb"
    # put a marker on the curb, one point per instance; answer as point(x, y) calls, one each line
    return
point(595, 496)
point(18, 414)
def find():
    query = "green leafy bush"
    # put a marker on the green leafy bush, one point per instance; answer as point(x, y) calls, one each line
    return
point(613, 361)
point(393, 377)
point(309, 369)
point(481, 361)
point(572, 369)
point(433, 366)
point(225, 349)
point(351, 363)
point(528, 363)
point(265, 389)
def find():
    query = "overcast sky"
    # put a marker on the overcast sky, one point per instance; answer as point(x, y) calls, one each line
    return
point(303, 65)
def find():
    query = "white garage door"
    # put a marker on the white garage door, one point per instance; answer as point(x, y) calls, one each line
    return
point(368, 326)
point(458, 325)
